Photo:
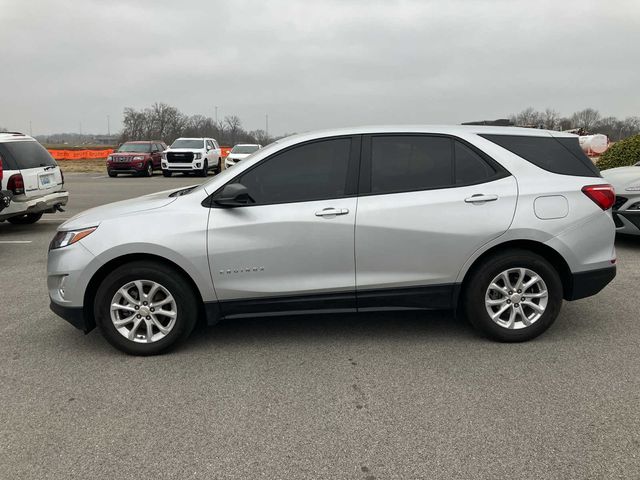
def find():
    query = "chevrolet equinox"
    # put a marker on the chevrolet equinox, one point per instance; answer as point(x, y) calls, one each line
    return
point(497, 223)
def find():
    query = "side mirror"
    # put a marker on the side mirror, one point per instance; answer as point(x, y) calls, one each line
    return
point(233, 195)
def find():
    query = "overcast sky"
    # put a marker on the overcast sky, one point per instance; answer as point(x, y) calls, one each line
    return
point(314, 64)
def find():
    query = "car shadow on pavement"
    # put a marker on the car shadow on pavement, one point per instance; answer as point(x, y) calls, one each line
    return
point(408, 326)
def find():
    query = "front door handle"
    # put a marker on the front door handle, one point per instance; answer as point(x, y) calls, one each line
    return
point(479, 198)
point(331, 212)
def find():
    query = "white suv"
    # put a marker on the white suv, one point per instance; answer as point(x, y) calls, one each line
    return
point(498, 223)
point(240, 152)
point(32, 176)
point(192, 155)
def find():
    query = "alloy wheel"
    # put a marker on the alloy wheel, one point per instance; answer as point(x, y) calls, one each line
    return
point(516, 298)
point(143, 311)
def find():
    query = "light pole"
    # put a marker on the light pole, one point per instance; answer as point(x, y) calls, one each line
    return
point(108, 126)
point(216, 108)
point(266, 121)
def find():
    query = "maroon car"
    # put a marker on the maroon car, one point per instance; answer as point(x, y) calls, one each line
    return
point(139, 158)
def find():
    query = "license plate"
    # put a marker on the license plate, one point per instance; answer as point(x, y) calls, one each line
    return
point(45, 180)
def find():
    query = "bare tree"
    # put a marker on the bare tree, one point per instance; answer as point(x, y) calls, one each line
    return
point(550, 119)
point(586, 119)
point(233, 126)
point(529, 117)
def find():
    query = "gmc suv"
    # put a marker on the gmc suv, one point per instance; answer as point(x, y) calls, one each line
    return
point(192, 155)
point(499, 224)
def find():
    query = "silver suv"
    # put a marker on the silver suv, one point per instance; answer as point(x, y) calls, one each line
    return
point(499, 224)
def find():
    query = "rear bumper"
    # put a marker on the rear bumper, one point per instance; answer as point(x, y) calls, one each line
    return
point(21, 204)
point(74, 315)
point(586, 284)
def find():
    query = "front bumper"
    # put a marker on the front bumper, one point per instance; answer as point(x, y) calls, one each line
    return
point(627, 221)
point(586, 284)
point(183, 167)
point(20, 204)
point(74, 315)
point(126, 167)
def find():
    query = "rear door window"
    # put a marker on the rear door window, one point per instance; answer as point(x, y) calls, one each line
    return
point(404, 163)
point(557, 155)
point(24, 155)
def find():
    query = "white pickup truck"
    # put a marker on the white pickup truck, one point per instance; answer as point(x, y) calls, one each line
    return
point(192, 155)
point(32, 177)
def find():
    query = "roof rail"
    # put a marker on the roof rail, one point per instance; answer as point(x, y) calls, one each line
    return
point(500, 122)
point(13, 133)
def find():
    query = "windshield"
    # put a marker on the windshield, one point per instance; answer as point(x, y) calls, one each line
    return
point(135, 147)
point(188, 144)
point(244, 149)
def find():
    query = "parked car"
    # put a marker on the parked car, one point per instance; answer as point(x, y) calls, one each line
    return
point(239, 152)
point(499, 224)
point(5, 195)
point(138, 158)
point(32, 177)
point(192, 155)
point(626, 210)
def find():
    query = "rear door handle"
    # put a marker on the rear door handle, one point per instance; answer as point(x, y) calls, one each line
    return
point(479, 198)
point(331, 212)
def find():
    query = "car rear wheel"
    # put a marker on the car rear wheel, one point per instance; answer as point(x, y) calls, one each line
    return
point(513, 296)
point(25, 219)
point(145, 308)
point(166, 173)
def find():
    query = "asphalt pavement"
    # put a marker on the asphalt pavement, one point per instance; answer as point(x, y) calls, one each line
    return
point(362, 396)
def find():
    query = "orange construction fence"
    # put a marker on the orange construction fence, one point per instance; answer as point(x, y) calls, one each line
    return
point(97, 154)
point(80, 154)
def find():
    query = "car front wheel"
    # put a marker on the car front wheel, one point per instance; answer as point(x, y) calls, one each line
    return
point(145, 308)
point(513, 296)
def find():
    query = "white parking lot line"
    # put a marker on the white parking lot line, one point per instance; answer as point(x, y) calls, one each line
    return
point(56, 219)
point(15, 241)
point(101, 176)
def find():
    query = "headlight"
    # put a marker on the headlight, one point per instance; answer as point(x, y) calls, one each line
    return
point(164, 156)
point(633, 188)
point(635, 206)
point(138, 157)
point(66, 238)
point(109, 158)
point(197, 156)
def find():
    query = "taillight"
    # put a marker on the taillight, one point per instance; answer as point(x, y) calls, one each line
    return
point(602, 195)
point(16, 184)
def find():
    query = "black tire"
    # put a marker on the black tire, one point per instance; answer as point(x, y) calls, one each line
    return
point(112, 174)
point(205, 169)
point(174, 282)
point(475, 289)
point(26, 219)
point(166, 173)
point(148, 172)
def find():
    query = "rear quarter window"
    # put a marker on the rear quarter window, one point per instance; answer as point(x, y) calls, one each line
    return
point(557, 155)
point(25, 154)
